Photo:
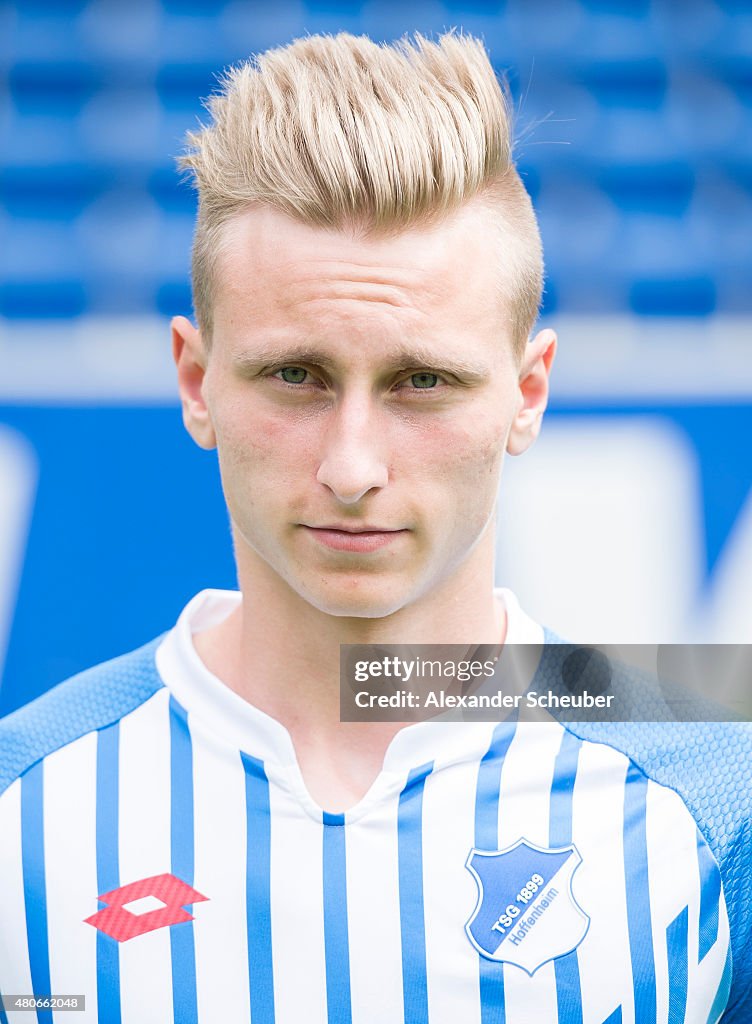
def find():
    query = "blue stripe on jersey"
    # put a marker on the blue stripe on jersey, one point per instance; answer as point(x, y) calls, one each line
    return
point(567, 968)
point(35, 888)
point(562, 791)
point(182, 946)
point(638, 896)
point(492, 1004)
point(3, 1015)
point(336, 938)
point(108, 870)
point(412, 919)
point(677, 941)
point(710, 897)
point(722, 995)
point(614, 1018)
point(489, 787)
point(258, 890)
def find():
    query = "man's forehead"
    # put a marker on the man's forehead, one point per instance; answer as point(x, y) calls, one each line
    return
point(266, 254)
point(437, 286)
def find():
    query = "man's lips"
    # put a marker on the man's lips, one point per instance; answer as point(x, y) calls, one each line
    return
point(353, 538)
point(345, 528)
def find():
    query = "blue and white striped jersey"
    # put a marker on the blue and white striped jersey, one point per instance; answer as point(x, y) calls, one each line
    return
point(160, 855)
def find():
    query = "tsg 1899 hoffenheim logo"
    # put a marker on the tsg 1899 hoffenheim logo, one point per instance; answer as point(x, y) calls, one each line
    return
point(526, 914)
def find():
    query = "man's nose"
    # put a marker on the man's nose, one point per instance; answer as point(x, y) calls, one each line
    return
point(353, 461)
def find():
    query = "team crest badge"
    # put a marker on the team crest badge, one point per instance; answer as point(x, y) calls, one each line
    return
point(526, 914)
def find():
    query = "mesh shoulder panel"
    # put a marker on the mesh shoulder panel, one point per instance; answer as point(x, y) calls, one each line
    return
point(90, 700)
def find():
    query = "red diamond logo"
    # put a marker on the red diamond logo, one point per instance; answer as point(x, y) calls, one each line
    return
point(122, 924)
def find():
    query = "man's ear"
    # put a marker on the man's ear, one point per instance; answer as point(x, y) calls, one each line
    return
point(190, 358)
point(533, 391)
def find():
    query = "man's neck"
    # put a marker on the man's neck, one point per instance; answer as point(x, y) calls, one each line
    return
point(281, 654)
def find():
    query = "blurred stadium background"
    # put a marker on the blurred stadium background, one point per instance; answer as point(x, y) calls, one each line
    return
point(632, 519)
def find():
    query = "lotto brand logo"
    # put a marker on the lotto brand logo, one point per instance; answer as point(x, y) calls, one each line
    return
point(122, 923)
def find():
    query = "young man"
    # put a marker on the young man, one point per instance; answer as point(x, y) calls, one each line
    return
point(190, 833)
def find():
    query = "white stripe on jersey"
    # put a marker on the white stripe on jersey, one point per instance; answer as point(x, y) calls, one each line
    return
point(15, 972)
point(144, 851)
point(69, 839)
point(220, 930)
point(297, 908)
point(449, 890)
point(597, 832)
point(373, 909)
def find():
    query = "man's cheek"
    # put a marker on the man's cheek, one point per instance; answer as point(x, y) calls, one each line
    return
point(476, 486)
point(258, 444)
point(486, 451)
point(472, 465)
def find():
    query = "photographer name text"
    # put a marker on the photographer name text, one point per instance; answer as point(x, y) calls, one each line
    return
point(440, 700)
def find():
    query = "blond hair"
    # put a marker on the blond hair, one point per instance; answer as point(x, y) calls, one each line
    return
point(344, 133)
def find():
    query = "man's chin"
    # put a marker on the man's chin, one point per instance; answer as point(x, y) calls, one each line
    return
point(366, 600)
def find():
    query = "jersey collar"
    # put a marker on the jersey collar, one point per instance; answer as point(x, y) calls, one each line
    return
point(213, 704)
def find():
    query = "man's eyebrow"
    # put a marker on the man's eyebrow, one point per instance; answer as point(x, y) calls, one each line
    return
point(399, 359)
point(280, 354)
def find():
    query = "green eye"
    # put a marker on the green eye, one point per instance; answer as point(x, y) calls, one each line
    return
point(293, 374)
point(424, 380)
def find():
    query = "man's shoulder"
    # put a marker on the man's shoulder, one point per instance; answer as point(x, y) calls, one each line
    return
point(705, 759)
point(709, 764)
point(91, 700)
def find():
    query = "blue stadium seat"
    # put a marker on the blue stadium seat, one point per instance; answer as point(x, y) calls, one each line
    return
point(121, 125)
point(54, 298)
point(702, 115)
point(58, 88)
point(673, 296)
point(173, 297)
point(39, 140)
point(176, 239)
point(121, 232)
point(121, 32)
point(181, 86)
point(381, 21)
point(251, 28)
point(57, 192)
point(698, 29)
point(39, 31)
point(578, 222)
point(556, 120)
point(734, 37)
point(638, 83)
point(660, 188)
point(34, 249)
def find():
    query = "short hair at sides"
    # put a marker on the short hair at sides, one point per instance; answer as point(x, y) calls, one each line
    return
point(344, 133)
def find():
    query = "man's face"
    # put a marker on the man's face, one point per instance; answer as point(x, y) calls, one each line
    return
point(361, 395)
